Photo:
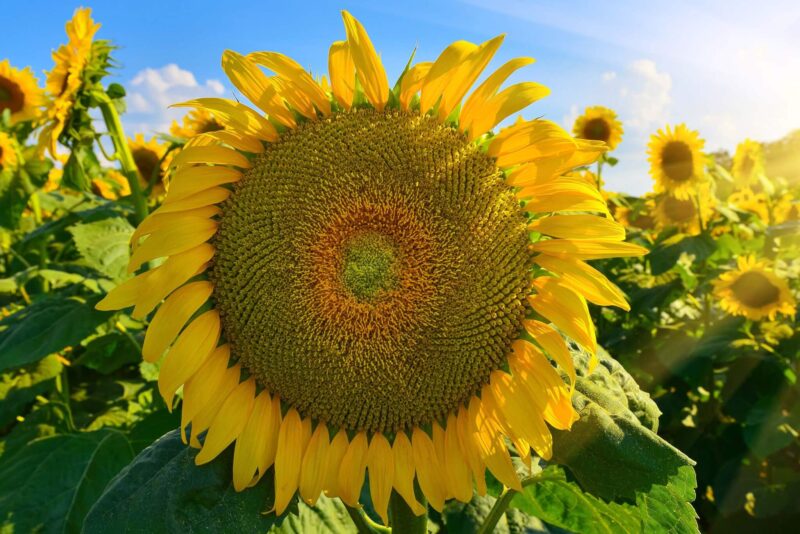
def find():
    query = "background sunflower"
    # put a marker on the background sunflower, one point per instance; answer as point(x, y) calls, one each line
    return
point(753, 290)
point(19, 93)
point(599, 123)
point(677, 162)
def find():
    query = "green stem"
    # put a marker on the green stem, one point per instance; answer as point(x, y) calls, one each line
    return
point(699, 213)
point(364, 524)
point(600, 173)
point(403, 518)
point(125, 157)
point(62, 385)
point(502, 503)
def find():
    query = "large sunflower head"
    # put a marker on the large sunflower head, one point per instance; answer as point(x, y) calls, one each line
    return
point(748, 163)
point(688, 215)
point(150, 160)
point(350, 276)
point(19, 93)
point(8, 152)
point(753, 290)
point(599, 123)
point(676, 161)
point(195, 122)
point(67, 77)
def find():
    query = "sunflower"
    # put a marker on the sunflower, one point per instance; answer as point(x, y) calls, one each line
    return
point(356, 272)
point(599, 123)
point(685, 214)
point(66, 78)
point(754, 291)
point(19, 93)
point(748, 163)
point(197, 121)
point(755, 203)
point(641, 216)
point(786, 209)
point(111, 186)
point(8, 152)
point(676, 161)
point(151, 162)
point(53, 180)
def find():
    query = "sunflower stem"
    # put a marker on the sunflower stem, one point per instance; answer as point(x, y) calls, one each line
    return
point(403, 518)
point(364, 524)
point(124, 155)
point(504, 500)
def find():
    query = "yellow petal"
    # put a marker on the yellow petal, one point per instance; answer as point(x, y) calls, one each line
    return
point(579, 226)
point(552, 342)
point(368, 65)
point(511, 401)
point(381, 474)
point(439, 74)
point(543, 386)
point(252, 441)
point(429, 472)
point(210, 155)
point(206, 386)
point(256, 86)
point(270, 450)
point(124, 295)
point(531, 141)
point(403, 460)
point(315, 465)
point(412, 82)
point(187, 233)
point(459, 480)
point(233, 116)
point(215, 195)
point(190, 180)
point(352, 468)
point(462, 78)
point(170, 275)
point(188, 354)
point(205, 414)
point(587, 249)
point(565, 309)
point(288, 460)
point(584, 279)
point(296, 76)
point(343, 73)
point(474, 107)
point(160, 221)
point(466, 438)
point(509, 101)
point(336, 453)
point(172, 316)
point(490, 443)
point(238, 140)
point(229, 421)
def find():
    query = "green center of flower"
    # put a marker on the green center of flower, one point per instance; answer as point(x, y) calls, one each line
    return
point(755, 290)
point(370, 266)
point(371, 269)
point(677, 162)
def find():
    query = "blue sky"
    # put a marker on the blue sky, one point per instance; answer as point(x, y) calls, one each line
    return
point(730, 69)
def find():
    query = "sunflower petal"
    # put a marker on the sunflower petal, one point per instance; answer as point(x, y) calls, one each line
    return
point(188, 181)
point(160, 221)
point(229, 422)
point(353, 467)
point(438, 76)
point(381, 474)
point(336, 453)
point(315, 465)
point(429, 471)
point(566, 309)
point(490, 442)
point(252, 441)
point(579, 226)
point(256, 86)
point(403, 456)
point(190, 232)
point(170, 275)
point(296, 77)
point(466, 74)
point(552, 342)
point(172, 316)
point(342, 71)
point(238, 140)
point(584, 279)
point(188, 354)
point(466, 433)
point(215, 195)
point(211, 384)
point(234, 116)
point(288, 460)
point(368, 65)
point(412, 83)
point(455, 463)
point(512, 403)
point(588, 249)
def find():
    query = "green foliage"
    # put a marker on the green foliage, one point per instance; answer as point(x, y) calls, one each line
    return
point(104, 245)
point(49, 485)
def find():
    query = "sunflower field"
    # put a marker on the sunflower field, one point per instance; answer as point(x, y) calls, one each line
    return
point(377, 302)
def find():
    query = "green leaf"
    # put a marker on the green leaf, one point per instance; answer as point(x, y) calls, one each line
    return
point(50, 484)
point(45, 327)
point(328, 515)
point(13, 197)
point(106, 354)
point(663, 258)
point(163, 490)
point(611, 437)
point(104, 245)
point(557, 501)
point(19, 388)
point(80, 167)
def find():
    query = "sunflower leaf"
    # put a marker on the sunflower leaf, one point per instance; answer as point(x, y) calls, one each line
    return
point(50, 484)
point(104, 244)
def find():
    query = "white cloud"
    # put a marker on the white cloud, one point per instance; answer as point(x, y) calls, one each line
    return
point(153, 90)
